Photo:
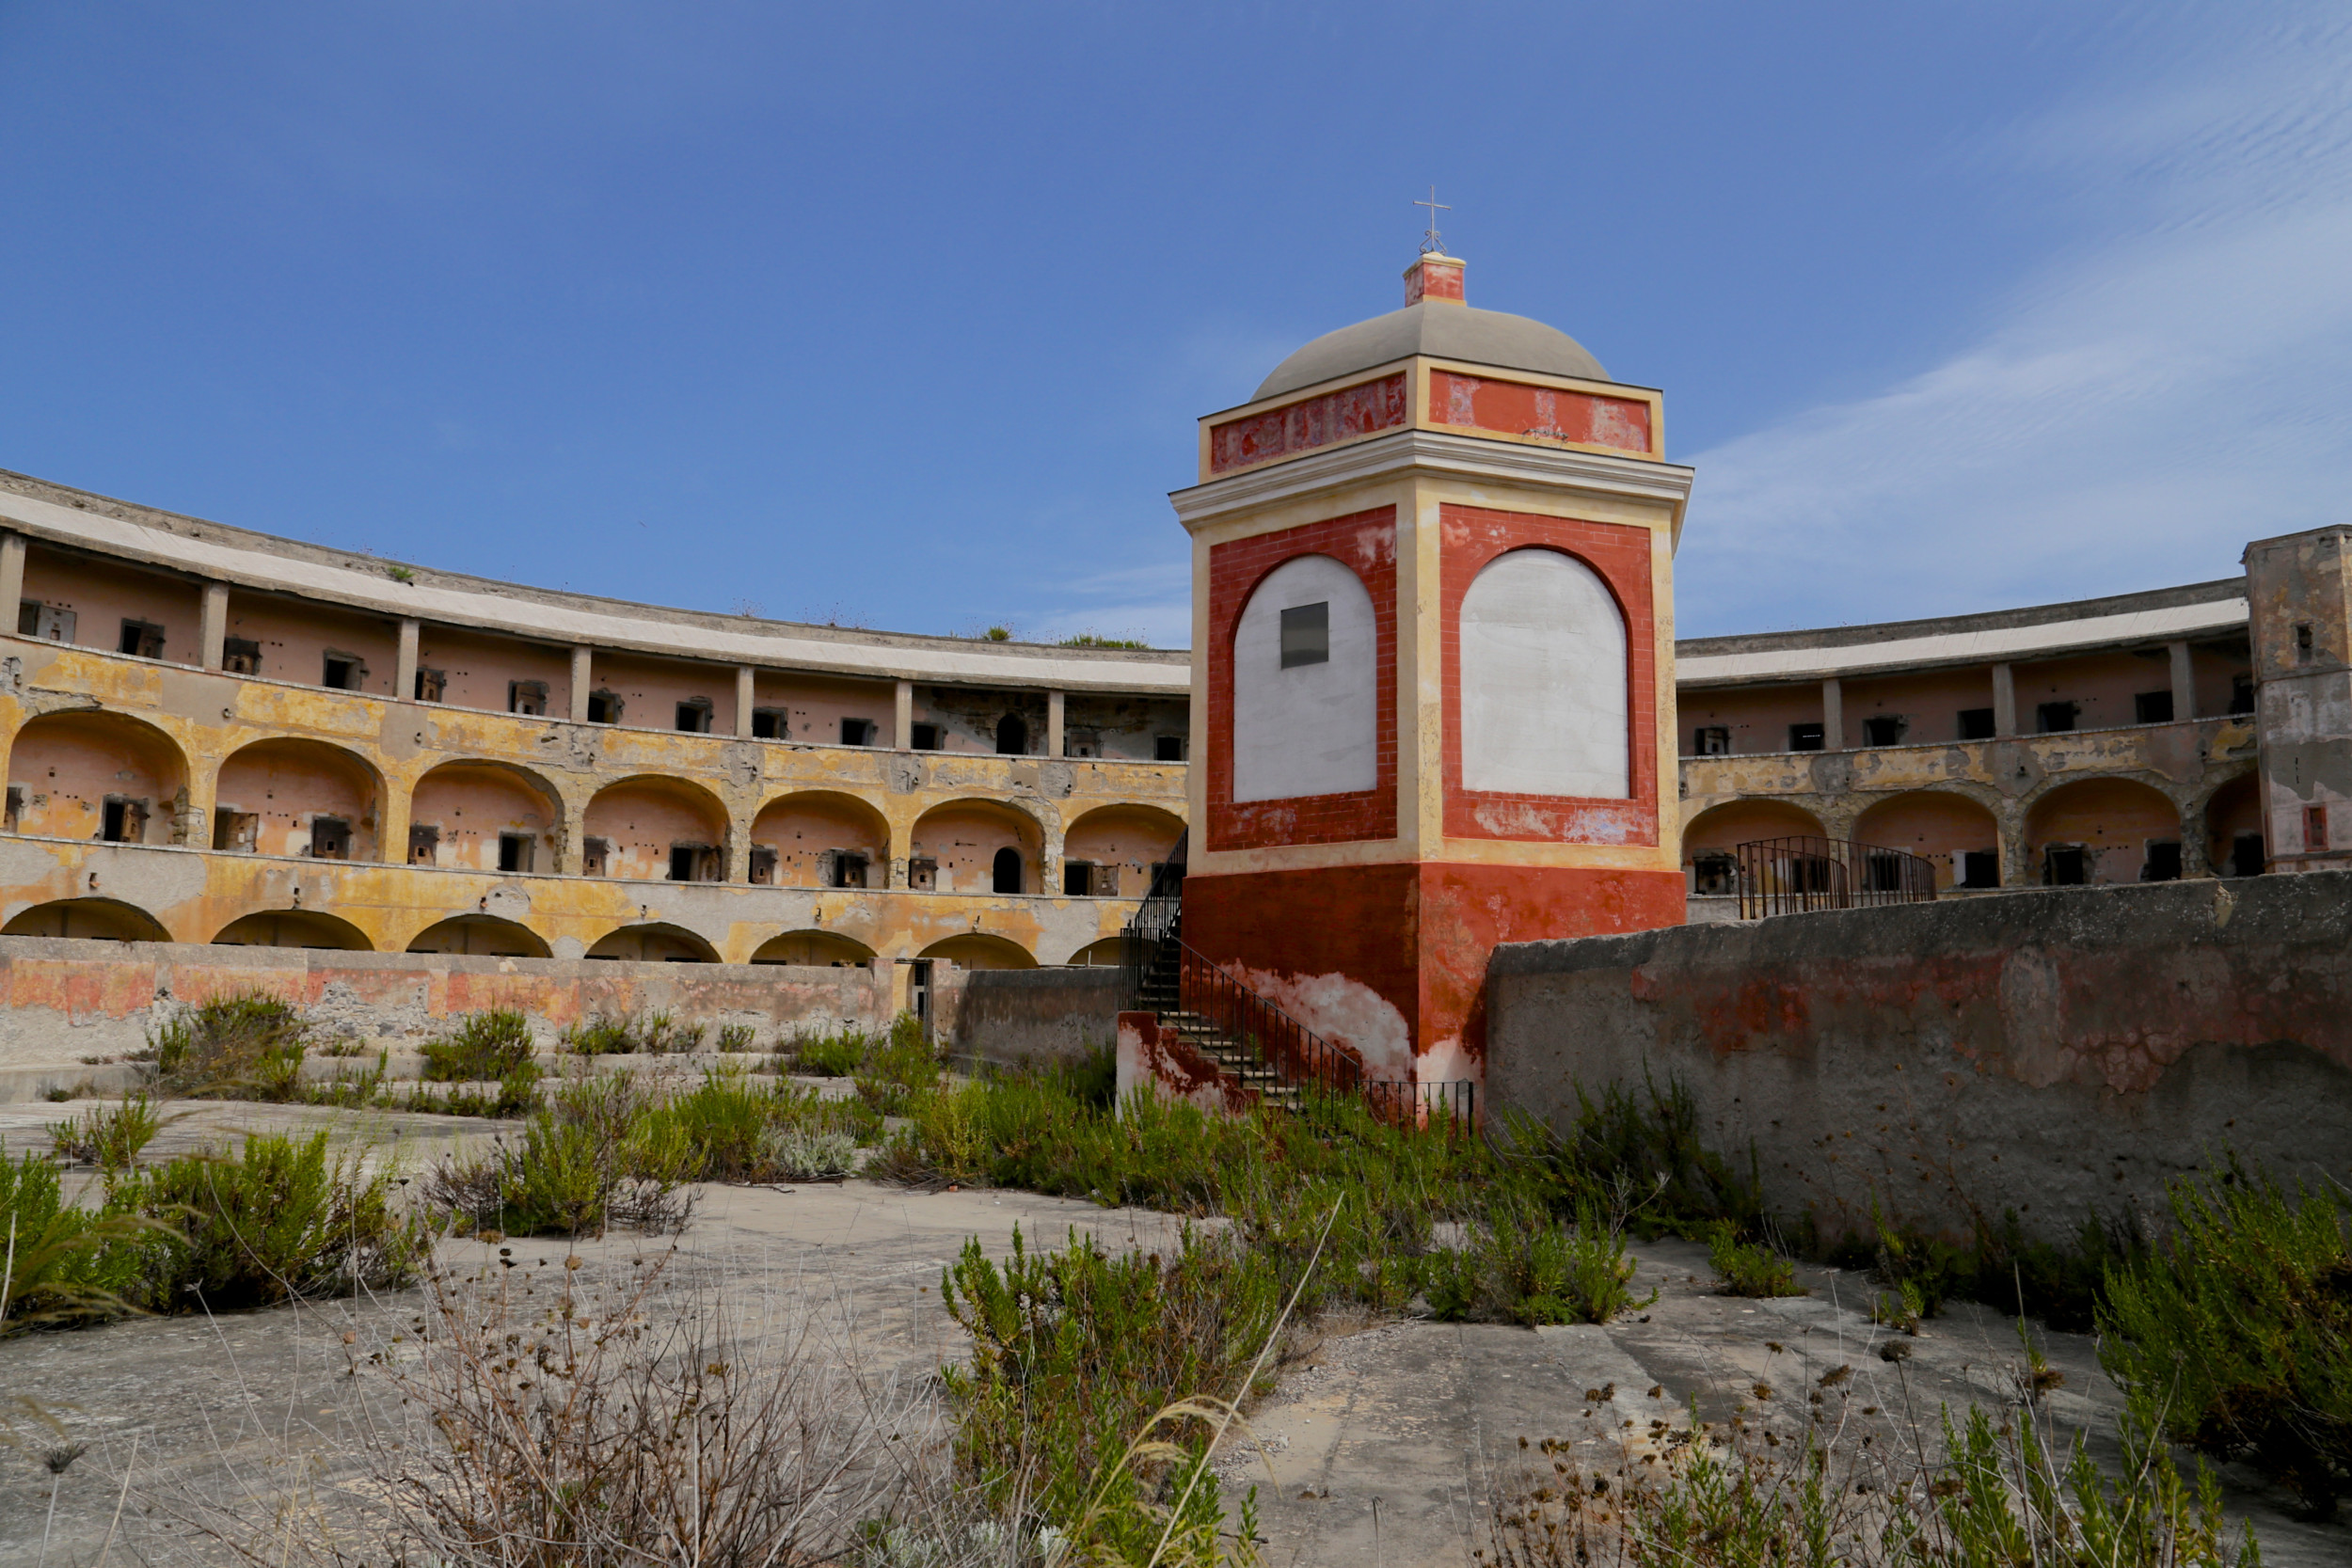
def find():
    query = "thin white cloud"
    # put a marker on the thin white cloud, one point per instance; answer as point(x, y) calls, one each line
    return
point(2146, 406)
point(1152, 603)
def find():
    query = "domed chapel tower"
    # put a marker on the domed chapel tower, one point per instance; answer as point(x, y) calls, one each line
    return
point(1432, 662)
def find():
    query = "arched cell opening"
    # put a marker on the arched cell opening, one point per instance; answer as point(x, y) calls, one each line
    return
point(651, 830)
point(821, 838)
point(1543, 671)
point(1709, 838)
point(1958, 837)
point(482, 936)
point(483, 816)
point(297, 797)
point(979, 950)
point(2103, 831)
point(2234, 828)
point(95, 776)
point(961, 847)
point(96, 919)
point(1012, 736)
point(655, 942)
point(813, 949)
point(1109, 852)
point(1107, 953)
point(1306, 685)
point(294, 928)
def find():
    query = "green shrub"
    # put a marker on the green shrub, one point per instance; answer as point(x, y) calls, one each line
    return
point(795, 1153)
point(109, 1137)
point(517, 1095)
point(1528, 1268)
point(1749, 1268)
point(598, 1155)
point(66, 1265)
point(1641, 1155)
point(283, 1218)
point(652, 1034)
point(899, 1067)
point(2236, 1333)
point(488, 1046)
point(735, 1038)
point(231, 1048)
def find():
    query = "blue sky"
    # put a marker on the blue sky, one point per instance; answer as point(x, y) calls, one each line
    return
point(903, 315)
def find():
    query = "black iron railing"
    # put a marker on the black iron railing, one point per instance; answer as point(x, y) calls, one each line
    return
point(1790, 875)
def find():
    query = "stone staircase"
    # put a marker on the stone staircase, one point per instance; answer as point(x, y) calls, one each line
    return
point(1159, 990)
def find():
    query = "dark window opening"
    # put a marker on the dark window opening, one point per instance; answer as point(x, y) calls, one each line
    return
point(515, 851)
point(1714, 874)
point(2057, 718)
point(1711, 741)
point(595, 855)
point(1976, 724)
point(1981, 868)
point(604, 707)
point(1008, 870)
point(923, 875)
point(2315, 826)
point(1881, 872)
point(1167, 748)
point(923, 738)
point(682, 861)
point(1306, 635)
point(529, 697)
point(16, 807)
point(424, 843)
point(330, 839)
point(1884, 729)
point(239, 831)
point(2151, 708)
point(2065, 866)
point(2241, 693)
point(2164, 862)
point(142, 639)
point(431, 684)
point(693, 716)
point(1077, 878)
point(2306, 642)
point(845, 868)
point(342, 674)
point(763, 868)
point(771, 724)
point(240, 656)
point(857, 732)
point(1806, 738)
point(1012, 736)
point(2246, 855)
point(122, 820)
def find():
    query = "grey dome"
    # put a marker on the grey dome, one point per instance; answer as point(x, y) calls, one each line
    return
point(1439, 328)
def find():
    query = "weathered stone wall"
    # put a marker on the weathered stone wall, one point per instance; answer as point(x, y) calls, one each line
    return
point(1009, 1016)
point(2054, 1053)
point(65, 999)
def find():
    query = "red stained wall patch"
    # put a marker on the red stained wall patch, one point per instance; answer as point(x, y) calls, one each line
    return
point(1516, 409)
point(1312, 423)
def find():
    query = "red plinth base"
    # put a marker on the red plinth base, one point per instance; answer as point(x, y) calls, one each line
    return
point(1389, 961)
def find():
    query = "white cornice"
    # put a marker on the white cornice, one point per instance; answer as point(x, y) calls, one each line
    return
point(1991, 646)
point(1433, 451)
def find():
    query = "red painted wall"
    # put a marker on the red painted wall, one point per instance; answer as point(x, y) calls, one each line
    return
point(1309, 423)
point(1365, 542)
point(1519, 409)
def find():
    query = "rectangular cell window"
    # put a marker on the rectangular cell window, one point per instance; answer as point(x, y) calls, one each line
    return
point(2241, 694)
point(1976, 724)
point(142, 640)
point(1714, 874)
point(1981, 868)
point(1884, 729)
point(1077, 878)
point(527, 697)
point(431, 684)
point(2065, 866)
point(2164, 861)
point(45, 620)
point(857, 732)
point(1306, 635)
point(2246, 855)
point(693, 718)
point(595, 855)
point(922, 874)
point(330, 839)
point(2151, 708)
point(771, 723)
point(424, 843)
point(515, 851)
point(604, 707)
point(2057, 718)
point(1805, 737)
point(923, 738)
point(682, 859)
point(2315, 826)
point(241, 656)
point(1167, 748)
point(1711, 741)
point(848, 870)
point(763, 865)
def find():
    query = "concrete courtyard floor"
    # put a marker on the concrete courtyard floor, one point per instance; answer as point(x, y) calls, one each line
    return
point(1382, 1438)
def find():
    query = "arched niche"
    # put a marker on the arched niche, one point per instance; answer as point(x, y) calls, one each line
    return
point(1102, 953)
point(482, 936)
point(813, 949)
point(650, 828)
point(954, 847)
point(655, 942)
point(96, 919)
point(821, 838)
point(2233, 827)
point(980, 950)
point(1012, 736)
point(2096, 831)
point(95, 776)
point(1543, 673)
point(298, 798)
point(1709, 838)
point(1943, 829)
point(294, 928)
point(483, 816)
point(1116, 847)
point(1306, 685)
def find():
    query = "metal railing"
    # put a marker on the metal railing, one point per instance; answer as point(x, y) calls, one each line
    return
point(1791, 876)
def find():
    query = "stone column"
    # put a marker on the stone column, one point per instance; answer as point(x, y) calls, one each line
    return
point(2184, 689)
point(405, 677)
point(11, 575)
point(2004, 701)
point(580, 678)
point(213, 635)
point(1832, 716)
point(1053, 723)
point(742, 702)
point(903, 717)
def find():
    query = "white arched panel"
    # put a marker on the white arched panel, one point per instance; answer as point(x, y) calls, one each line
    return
point(1308, 728)
point(1543, 680)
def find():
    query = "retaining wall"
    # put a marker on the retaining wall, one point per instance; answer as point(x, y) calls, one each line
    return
point(2053, 1052)
point(1010, 1016)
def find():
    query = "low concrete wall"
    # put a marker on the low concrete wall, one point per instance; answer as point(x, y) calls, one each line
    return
point(2055, 1052)
point(61, 1000)
point(1010, 1016)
